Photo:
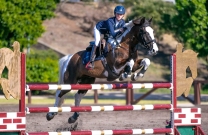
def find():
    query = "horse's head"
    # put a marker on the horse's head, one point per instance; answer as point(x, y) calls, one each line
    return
point(144, 34)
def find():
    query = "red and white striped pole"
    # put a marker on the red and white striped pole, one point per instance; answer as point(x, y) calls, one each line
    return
point(98, 108)
point(108, 132)
point(96, 86)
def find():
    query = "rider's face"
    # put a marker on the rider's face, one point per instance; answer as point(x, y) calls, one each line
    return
point(119, 16)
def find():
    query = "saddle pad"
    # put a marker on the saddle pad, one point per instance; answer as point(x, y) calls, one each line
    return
point(86, 56)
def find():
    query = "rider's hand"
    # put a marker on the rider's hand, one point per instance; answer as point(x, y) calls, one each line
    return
point(125, 28)
point(122, 29)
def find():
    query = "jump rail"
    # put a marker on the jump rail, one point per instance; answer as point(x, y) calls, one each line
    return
point(96, 86)
point(98, 108)
point(109, 132)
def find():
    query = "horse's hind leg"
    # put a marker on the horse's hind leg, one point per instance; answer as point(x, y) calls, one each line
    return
point(59, 96)
point(78, 97)
point(58, 102)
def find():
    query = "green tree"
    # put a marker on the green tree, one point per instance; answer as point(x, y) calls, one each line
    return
point(187, 20)
point(162, 12)
point(191, 24)
point(42, 66)
point(21, 20)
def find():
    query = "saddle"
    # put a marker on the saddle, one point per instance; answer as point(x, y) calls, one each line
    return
point(101, 51)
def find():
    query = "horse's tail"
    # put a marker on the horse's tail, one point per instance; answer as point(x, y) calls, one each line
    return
point(63, 62)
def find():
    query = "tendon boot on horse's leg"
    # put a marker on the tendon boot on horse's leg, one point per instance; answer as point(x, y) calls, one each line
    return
point(90, 64)
point(145, 63)
point(127, 70)
point(58, 102)
point(78, 97)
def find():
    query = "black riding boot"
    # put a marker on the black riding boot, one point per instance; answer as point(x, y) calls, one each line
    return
point(90, 64)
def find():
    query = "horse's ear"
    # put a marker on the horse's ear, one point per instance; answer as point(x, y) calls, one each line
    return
point(150, 20)
point(142, 20)
point(139, 21)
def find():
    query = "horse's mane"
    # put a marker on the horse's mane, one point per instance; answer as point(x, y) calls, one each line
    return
point(129, 26)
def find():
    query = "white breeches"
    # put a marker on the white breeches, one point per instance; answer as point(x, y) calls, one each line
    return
point(96, 36)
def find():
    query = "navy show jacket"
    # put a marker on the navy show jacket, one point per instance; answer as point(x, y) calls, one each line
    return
point(110, 26)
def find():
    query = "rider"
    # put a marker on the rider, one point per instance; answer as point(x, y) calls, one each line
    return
point(103, 27)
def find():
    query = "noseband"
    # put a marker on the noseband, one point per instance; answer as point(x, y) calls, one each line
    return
point(146, 44)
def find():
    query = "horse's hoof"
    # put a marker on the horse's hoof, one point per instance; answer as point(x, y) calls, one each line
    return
point(121, 79)
point(50, 115)
point(132, 77)
point(123, 76)
point(72, 120)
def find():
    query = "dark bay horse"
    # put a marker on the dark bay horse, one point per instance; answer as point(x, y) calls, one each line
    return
point(72, 70)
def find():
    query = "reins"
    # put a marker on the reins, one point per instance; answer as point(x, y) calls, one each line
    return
point(140, 35)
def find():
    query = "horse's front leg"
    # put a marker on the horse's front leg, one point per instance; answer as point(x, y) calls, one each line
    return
point(142, 65)
point(78, 97)
point(127, 70)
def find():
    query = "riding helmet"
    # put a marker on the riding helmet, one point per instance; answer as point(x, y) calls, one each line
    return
point(119, 10)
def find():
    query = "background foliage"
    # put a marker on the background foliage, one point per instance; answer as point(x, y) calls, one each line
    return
point(42, 66)
point(21, 20)
point(162, 13)
point(187, 20)
point(191, 24)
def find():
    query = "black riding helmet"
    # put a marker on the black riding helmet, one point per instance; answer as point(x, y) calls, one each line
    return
point(119, 10)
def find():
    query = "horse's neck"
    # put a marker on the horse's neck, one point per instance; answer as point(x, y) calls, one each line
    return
point(115, 61)
point(122, 36)
point(118, 56)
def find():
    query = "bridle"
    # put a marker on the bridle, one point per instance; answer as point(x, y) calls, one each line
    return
point(140, 35)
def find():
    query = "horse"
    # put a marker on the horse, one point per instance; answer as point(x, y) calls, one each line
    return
point(120, 51)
